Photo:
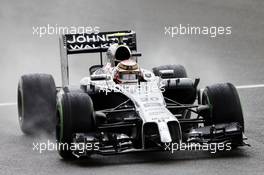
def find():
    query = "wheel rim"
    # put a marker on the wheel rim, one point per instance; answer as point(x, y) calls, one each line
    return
point(59, 123)
point(20, 106)
point(206, 101)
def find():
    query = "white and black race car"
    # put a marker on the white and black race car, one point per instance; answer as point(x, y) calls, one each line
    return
point(122, 107)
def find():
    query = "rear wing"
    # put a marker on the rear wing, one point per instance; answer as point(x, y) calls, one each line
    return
point(89, 43)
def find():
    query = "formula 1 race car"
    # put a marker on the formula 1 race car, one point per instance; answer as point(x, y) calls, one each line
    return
point(122, 107)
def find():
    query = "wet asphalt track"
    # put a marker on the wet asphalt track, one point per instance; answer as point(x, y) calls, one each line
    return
point(237, 58)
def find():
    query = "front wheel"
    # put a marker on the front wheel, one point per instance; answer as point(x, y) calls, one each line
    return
point(74, 115)
point(224, 104)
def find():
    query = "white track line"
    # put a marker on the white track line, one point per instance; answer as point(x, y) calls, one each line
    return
point(238, 87)
point(250, 86)
point(7, 104)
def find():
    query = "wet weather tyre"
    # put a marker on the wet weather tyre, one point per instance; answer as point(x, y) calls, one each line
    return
point(36, 102)
point(74, 115)
point(224, 103)
point(178, 70)
point(185, 95)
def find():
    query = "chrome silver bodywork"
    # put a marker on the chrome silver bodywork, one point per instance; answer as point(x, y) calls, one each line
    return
point(146, 96)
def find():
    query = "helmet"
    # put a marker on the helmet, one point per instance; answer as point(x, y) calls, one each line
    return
point(117, 53)
point(127, 71)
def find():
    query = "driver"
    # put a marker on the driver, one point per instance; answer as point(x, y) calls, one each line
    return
point(127, 71)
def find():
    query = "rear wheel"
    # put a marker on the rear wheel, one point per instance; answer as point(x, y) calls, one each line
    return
point(178, 70)
point(186, 95)
point(36, 101)
point(74, 115)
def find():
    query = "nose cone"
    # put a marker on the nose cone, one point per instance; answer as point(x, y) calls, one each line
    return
point(164, 132)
